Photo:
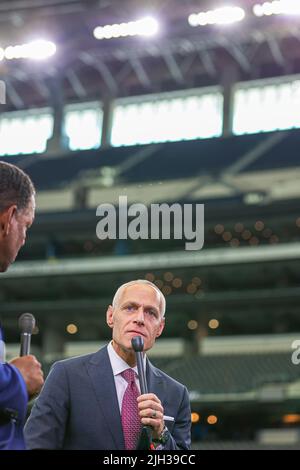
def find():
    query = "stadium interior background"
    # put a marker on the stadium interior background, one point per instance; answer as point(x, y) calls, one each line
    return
point(200, 112)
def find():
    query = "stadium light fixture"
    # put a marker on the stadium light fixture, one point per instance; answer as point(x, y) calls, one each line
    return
point(278, 7)
point(147, 26)
point(37, 50)
point(221, 16)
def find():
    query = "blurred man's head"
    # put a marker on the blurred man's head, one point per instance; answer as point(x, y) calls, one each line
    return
point(17, 208)
point(138, 309)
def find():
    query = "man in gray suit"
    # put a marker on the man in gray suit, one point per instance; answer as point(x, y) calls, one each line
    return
point(90, 402)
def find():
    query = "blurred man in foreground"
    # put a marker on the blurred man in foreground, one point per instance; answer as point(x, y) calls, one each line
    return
point(22, 377)
point(94, 401)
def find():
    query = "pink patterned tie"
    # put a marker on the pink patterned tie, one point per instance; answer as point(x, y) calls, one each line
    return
point(131, 422)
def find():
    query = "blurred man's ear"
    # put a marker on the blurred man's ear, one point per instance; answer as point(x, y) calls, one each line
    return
point(109, 317)
point(6, 218)
point(161, 327)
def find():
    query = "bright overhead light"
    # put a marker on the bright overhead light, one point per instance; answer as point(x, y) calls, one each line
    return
point(193, 19)
point(278, 7)
point(147, 26)
point(37, 50)
point(40, 49)
point(258, 10)
point(225, 15)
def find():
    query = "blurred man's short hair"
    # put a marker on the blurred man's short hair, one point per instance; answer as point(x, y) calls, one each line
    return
point(15, 187)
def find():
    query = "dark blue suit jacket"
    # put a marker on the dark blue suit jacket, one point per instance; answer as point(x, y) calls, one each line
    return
point(13, 396)
point(78, 407)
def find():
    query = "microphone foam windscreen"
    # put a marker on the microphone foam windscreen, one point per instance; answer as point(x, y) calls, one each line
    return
point(137, 343)
point(26, 323)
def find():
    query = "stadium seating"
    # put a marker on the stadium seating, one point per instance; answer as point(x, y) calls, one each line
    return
point(172, 160)
point(283, 155)
point(230, 373)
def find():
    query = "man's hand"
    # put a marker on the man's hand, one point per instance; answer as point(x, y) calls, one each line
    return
point(151, 413)
point(31, 371)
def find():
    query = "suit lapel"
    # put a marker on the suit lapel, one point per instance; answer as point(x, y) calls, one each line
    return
point(101, 374)
point(158, 385)
point(155, 381)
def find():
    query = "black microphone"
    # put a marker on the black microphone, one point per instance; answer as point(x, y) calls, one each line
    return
point(26, 325)
point(137, 343)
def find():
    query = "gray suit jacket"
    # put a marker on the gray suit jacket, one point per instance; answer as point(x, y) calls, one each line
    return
point(78, 407)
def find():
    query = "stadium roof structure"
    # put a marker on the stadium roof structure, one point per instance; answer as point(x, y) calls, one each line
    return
point(179, 57)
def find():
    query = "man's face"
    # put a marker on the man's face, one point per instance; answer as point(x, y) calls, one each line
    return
point(137, 314)
point(13, 228)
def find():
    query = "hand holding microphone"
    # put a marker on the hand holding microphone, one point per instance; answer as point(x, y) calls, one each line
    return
point(150, 408)
point(27, 364)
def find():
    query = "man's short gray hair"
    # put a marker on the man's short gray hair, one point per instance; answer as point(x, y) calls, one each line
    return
point(119, 292)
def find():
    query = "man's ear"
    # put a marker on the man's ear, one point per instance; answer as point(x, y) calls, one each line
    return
point(6, 218)
point(109, 317)
point(161, 328)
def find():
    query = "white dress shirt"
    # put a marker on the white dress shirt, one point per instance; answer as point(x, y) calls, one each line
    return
point(118, 366)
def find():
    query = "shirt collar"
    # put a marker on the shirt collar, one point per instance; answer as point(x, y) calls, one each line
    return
point(118, 364)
